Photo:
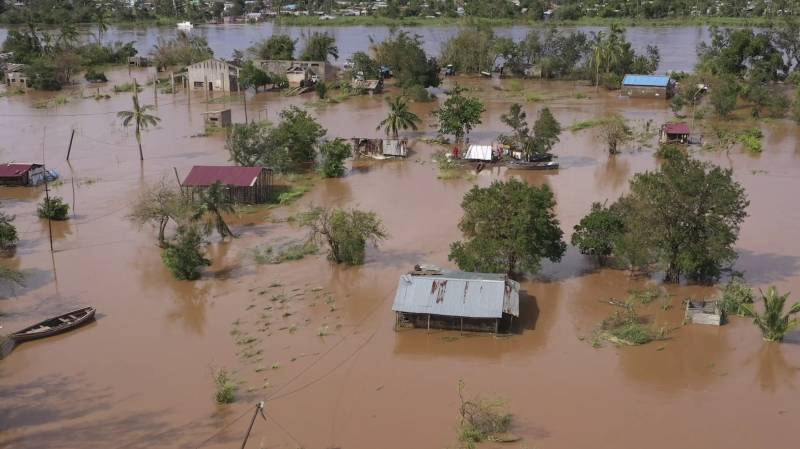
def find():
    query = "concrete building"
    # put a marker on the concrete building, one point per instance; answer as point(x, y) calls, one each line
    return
point(221, 118)
point(322, 69)
point(299, 76)
point(214, 75)
point(15, 76)
point(648, 86)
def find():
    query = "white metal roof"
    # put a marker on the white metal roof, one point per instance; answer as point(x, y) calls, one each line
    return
point(479, 153)
point(470, 295)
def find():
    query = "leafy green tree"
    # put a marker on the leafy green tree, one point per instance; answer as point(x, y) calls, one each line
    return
point(252, 76)
point(399, 117)
point(724, 95)
point(183, 50)
point(157, 205)
point(8, 232)
point(404, 56)
point(184, 257)
point(472, 50)
point(334, 152)
point(773, 322)
point(736, 295)
point(691, 212)
point(321, 89)
point(276, 47)
point(459, 114)
point(615, 132)
point(741, 52)
point(546, 130)
point(598, 232)
point(140, 117)
point(365, 66)
point(346, 232)
point(516, 119)
point(53, 208)
point(508, 227)
point(212, 203)
point(319, 46)
point(42, 74)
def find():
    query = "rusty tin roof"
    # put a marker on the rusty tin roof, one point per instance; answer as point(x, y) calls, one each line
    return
point(206, 175)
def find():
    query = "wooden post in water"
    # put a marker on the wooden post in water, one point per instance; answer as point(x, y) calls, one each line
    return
point(155, 89)
point(172, 82)
point(69, 149)
point(429, 323)
point(205, 86)
point(178, 178)
point(259, 408)
point(47, 192)
point(244, 98)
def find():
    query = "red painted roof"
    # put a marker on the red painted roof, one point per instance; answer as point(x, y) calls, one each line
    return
point(677, 128)
point(205, 175)
point(12, 170)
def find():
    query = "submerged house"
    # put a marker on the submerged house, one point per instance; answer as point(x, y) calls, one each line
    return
point(380, 147)
point(221, 118)
point(648, 86)
point(674, 133)
point(299, 76)
point(704, 312)
point(214, 75)
point(456, 300)
point(243, 184)
point(15, 75)
point(322, 70)
point(21, 174)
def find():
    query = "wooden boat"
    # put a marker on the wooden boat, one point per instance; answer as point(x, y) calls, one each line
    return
point(540, 165)
point(55, 326)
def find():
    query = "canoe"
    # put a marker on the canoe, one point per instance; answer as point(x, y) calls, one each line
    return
point(519, 165)
point(55, 326)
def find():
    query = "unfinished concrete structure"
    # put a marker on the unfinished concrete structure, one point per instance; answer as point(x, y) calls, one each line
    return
point(213, 75)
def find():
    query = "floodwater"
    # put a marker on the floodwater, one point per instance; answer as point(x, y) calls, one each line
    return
point(324, 356)
point(677, 44)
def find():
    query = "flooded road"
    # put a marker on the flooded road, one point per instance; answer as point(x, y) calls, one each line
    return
point(324, 354)
point(677, 44)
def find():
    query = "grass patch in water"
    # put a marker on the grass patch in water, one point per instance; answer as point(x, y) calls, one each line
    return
point(225, 387)
point(281, 253)
point(625, 327)
point(585, 124)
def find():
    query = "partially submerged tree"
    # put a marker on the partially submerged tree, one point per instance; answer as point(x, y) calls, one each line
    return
point(399, 117)
point(140, 117)
point(252, 76)
point(598, 232)
point(404, 56)
point(53, 208)
point(333, 153)
point(214, 201)
point(615, 132)
point(8, 232)
point(159, 203)
point(508, 227)
point(346, 232)
point(773, 322)
point(184, 256)
point(276, 47)
point(319, 46)
point(538, 141)
point(183, 50)
point(459, 114)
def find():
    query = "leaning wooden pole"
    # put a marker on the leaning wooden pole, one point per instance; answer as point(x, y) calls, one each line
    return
point(259, 408)
point(71, 137)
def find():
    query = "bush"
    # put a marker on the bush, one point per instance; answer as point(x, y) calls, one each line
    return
point(418, 93)
point(225, 387)
point(735, 296)
point(183, 257)
point(333, 154)
point(321, 89)
point(632, 333)
point(280, 254)
point(55, 209)
point(751, 140)
point(669, 151)
point(8, 232)
point(345, 231)
point(480, 418)
point(93, 76)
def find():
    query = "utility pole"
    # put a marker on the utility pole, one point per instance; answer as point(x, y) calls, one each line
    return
point(69, 149)
point(259, 409)
point(47, 192)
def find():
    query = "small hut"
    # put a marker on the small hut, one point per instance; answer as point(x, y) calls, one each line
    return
point(703, 312)
point(378, 148)
point(221, 118)
point(138, 61)
point(370, 86)
point(647, 86)
point(456, 300)
point(243, 184)
point(675, 133)
point(16, 77)
point(483, 153)
point(21, 174)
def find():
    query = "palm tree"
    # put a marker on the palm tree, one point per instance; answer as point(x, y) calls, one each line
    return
point(773, 323)
point(399, 117)
point(102, 26)
point(214, 201)
point(139, 116)
point(598, 53)
point(68, 35)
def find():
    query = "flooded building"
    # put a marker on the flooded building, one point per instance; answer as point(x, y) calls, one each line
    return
point(299, 76)
point(485, 153)
point(380, 147)
point(456, 300)
point(138, 61)
point(21, 174)
point(703, 312)
point(675, 133)
point(370, 86)
point(15, 76)
point(647, 86)
point(321, 69)
point(243, 184)
point(221, 118)
point(214, 75)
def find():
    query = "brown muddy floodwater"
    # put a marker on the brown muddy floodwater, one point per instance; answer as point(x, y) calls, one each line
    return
point(324, 354)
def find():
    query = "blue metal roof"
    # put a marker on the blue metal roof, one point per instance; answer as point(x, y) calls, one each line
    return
point(646, 80)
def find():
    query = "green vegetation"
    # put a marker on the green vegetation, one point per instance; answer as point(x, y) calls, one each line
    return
point(333, 154)
point(580, 125)
point(320, 46)
point(252, 76)
point(225, 387)
point(53, 208)
point(94, 76)
point(8, 232)
point(459, 114)
point(626, 327)
point(480, 418)
point(276, 254)
point(773, 322)
point(214, 201)
point(404, 56)
point(182, 50)
point(399, 117)
point(157, 205)
point(290, 146)
point(183, 256)
point(140, 117)
point(346, 232)
point(531, 143)
point(736, 297)
point(277, 46)
point(683, 218)
point(508, 227)
point(751, 140)
point(615, 132)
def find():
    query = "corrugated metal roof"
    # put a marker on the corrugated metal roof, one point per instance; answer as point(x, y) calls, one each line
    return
point(11, 170)
point(646, 80)
point(469, 295)
point(205, 175)
point(479, 153)
point(677, 128)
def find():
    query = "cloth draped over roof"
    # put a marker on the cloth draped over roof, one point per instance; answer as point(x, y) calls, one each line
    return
point(12, 170)
point(479, 153)
point(646, 80)
point(206, 175)
point(677, 128)
point(468, 295)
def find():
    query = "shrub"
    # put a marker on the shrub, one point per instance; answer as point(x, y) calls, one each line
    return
point(280, 254)
point(345, 231)
point(54, 208)
point(773, 322)
point(321, 89)
point(735, 297)
point(183, 257)
point(418, 93)
point(333, 154)
point(93, 76)
point(225, 387)
point(669, 151)
point(751, 140)
point(8, 232)
point(480, 418)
